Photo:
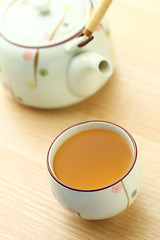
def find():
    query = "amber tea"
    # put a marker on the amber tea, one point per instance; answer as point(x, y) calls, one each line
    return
point(93, 159)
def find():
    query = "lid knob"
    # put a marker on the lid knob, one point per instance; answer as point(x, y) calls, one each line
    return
point(40, 5)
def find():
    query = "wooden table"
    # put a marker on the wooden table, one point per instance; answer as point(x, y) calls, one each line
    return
point(131, 98)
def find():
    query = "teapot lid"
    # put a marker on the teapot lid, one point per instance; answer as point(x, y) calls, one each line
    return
point(40, 23)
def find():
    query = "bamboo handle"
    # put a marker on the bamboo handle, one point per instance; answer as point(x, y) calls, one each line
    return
point(96, 17)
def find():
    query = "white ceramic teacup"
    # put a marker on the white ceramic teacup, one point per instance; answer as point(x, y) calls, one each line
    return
point(99, 203)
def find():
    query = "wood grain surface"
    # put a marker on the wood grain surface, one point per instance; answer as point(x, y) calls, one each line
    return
point(131, 98)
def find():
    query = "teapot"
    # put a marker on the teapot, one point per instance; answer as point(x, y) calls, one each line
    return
point(41, 62)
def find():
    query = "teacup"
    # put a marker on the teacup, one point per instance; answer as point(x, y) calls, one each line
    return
point(103, 202)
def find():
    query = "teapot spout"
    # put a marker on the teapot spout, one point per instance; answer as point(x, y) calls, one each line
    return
point(88, 72)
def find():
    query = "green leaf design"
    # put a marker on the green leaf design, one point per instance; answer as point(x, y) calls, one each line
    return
point(134, 193)
point(20, 99)
point(107, 32)
point(43, 72)
point(65, 24)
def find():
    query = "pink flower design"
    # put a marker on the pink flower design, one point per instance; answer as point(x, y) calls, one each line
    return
point(46, 36)
point(27, 56)
point(98, 28)
point(6, 86)
point(117, 188)
point(72, 210)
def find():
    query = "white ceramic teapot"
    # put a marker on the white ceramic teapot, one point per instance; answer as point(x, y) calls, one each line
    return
point(41, 64)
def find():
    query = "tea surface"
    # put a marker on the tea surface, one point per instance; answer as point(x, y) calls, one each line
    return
point(92, 159)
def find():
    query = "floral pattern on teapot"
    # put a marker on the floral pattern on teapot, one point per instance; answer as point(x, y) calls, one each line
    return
point(37, 65)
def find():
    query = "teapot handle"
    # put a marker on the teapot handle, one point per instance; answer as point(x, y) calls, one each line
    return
point(94, 21)
point(96, 17)
point(82, 44)
point(74, 44)
point(80, 41)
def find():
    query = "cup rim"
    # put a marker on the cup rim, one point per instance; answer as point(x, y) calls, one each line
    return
point(135, 151)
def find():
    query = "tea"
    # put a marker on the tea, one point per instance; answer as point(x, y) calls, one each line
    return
point(92, 159)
